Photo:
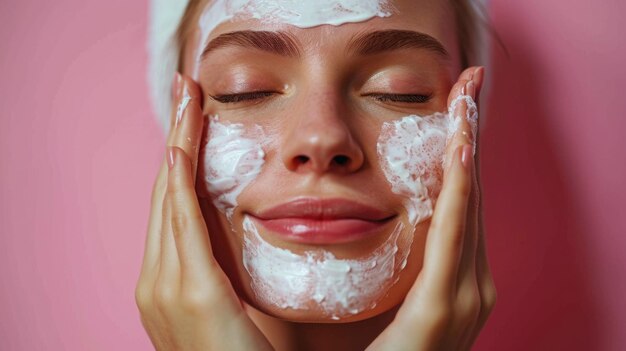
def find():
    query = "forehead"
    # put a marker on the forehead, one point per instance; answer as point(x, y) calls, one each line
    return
point(323, 22)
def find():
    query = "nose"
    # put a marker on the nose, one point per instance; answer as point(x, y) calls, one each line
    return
point(319, 139)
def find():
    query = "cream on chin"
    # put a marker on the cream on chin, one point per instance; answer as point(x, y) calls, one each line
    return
point(317, 281)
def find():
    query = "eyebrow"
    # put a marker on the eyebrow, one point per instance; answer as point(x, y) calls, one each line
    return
point(280, 43)
point(370, 43)
point(377, 42)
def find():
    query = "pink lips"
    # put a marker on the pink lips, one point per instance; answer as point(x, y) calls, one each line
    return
point(327, 221)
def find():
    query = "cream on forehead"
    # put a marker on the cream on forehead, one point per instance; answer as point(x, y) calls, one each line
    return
point(299, 13)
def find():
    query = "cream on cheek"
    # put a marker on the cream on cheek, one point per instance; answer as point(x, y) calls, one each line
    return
point(232, 158)
point(412, 150)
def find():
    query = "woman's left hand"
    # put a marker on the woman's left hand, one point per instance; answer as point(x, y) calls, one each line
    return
point(454, 294)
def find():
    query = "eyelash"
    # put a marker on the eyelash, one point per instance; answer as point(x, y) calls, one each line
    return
point(255, 95)
point(235, 98)
point(405, 98)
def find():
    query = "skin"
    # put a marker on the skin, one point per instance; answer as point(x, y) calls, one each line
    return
point(191, 284)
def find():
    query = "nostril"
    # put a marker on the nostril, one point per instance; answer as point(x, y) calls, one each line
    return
point(300, 160)
point(341, 160)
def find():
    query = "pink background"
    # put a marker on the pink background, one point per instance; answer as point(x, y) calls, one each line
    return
point(80, 149)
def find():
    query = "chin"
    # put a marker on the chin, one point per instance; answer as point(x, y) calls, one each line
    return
point(317, 287)
point(319, 283)
point(316, 314)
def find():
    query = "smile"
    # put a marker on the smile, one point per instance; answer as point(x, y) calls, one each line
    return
point(323, 221)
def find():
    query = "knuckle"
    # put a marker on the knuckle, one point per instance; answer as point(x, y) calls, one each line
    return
point(469, 306)
point(453, 231)
point(164, 297)
point(444, 224)
point(172, 187)
point(180, 223)
point(158, 189)
point(143, 298)
point(490, 297)
point(196, 300)
point(462, 187)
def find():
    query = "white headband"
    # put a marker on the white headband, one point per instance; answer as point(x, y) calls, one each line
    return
point(163, 50)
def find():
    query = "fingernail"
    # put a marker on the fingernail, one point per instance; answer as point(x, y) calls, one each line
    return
point(176, 86)
point(182, 105)
point(466, 156)
point(469, 88)
point(170, 157)
point(480, 72)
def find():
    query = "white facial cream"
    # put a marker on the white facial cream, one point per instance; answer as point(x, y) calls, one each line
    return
point(412, 150)
point(232, 159)
point(182, 106)
point(319, 280)
point(299, 13)
point(471, 116)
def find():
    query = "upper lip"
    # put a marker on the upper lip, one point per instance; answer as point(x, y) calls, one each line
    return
point(323, 209)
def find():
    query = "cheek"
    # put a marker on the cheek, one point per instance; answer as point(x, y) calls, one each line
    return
point(411, 152)
point(232, 157)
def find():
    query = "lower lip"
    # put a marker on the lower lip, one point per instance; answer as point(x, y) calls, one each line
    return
point(329, 231)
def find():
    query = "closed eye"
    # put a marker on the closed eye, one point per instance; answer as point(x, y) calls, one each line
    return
point(242, 97)
point(404, 98)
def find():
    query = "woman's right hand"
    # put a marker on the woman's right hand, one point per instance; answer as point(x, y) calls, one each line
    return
point(185, 300)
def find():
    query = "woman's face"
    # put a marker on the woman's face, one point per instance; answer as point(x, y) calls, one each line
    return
point(314, 213)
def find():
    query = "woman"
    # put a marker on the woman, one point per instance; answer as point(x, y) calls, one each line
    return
point(319, 189)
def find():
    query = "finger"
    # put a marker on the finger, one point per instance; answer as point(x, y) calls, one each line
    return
point(152, 253)
point(467, 297)
point(445, 236)
point(169, 266)
point(456, 96)
point(479, 79)
point(188, 121)
point(188, 226)
point(484, 280)
point(468, 302)
point(152, 248)
point(463, 113)
point(465, 76)
point(457, 90)
point(486, 285)
point(467, 265)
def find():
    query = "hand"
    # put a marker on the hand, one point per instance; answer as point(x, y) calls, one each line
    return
point(454, 294)
point(185, 300)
